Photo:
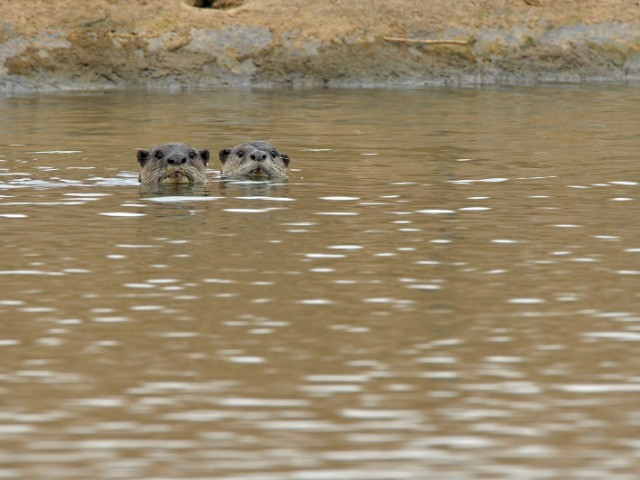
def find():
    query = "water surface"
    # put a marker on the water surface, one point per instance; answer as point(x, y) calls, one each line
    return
point(447, 287)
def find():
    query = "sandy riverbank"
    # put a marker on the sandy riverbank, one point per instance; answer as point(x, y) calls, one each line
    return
point(66, 44)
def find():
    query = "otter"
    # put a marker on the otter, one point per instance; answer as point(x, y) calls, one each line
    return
point(256, 160)
point(172, 163)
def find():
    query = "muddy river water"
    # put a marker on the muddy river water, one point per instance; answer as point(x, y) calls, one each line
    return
point(448, 287)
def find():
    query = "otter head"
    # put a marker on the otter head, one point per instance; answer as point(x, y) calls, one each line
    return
point(259, 160)
point(173, 163)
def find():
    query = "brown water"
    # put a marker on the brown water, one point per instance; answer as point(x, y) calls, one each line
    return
point(447, 288)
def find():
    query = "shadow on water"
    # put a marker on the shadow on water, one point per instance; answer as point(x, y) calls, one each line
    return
point(174, 190)
point(252, 188)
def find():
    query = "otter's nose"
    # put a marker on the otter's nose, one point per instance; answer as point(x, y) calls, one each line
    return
point(258, 156)
point(177, 159)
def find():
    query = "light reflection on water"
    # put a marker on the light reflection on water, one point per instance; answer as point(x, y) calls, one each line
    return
point(447, 287)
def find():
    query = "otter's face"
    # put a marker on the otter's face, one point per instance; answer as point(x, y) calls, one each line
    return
point(258, 160)
point(173, 163)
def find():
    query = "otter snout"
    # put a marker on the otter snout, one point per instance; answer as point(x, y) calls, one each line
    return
point(254, 159)
point(177, 159)
point(173, 163)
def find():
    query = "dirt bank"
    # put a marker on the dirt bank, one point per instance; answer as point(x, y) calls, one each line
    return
point(61, 44)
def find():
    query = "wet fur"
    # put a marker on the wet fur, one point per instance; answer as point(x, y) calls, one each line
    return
point(172, 163)
point(237, 162)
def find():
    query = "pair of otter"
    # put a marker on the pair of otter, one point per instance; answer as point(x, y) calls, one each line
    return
point(180, 163)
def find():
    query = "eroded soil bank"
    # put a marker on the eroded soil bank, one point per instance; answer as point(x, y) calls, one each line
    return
point(67, 44)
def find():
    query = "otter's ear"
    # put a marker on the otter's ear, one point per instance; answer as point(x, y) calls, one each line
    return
point(285, 159)
point(224, 154)
point(204, 154)
point(143, 156)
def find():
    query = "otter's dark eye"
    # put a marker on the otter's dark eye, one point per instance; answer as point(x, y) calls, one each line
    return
point(192, 155)
point(240, 153)
point(274, 154)
point(159, 155)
